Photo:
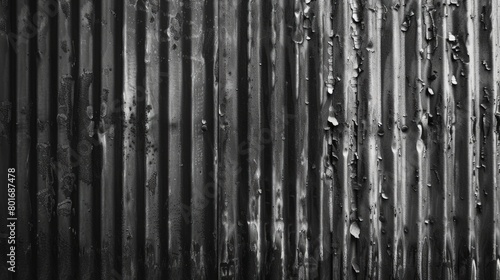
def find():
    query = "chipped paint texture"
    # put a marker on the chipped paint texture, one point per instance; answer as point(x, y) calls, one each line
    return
point(259, 139)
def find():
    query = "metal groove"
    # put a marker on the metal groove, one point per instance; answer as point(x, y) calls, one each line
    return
point(256, 139)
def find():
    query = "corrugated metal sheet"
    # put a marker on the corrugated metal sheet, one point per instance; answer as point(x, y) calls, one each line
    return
point(256, 139)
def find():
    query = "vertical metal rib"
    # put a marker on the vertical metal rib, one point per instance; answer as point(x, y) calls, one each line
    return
point(278, 123)
point(323, 204)
point(474, 93)
point(434, 97)
point(152, 99)
point(369, 131)
point(253, 187)
point(343, 123)
point(464, 142)
point(203, 128)
point(85, 129)
point(107, 133)
point(495, 42)
point(129, 153)
point(393, 192)
point(65, 153)
point(300, 101)
point(229, 131)
point(422, 117)
point(179, 215)
point(480, 45)
point(411, 227)
point(448, 156)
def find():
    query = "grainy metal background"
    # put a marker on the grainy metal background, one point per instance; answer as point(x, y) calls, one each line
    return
point(259, 139)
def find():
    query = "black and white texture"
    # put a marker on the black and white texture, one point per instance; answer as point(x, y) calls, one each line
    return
point(251, 139)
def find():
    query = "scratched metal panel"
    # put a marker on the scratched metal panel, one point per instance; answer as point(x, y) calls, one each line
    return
point(252, 139)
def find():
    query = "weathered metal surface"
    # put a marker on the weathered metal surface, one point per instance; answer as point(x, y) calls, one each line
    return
point(253, 139)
